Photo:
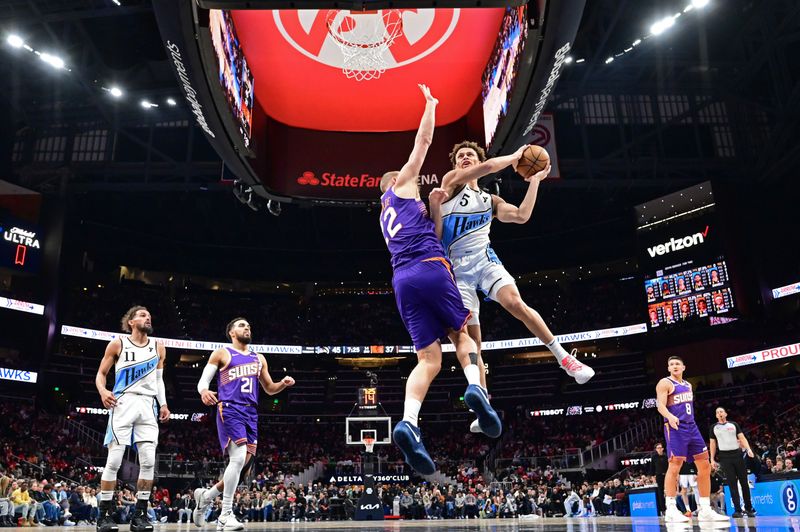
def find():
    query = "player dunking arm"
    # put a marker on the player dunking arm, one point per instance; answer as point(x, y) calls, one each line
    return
point(463, 222)
point(136, 405)
point(684, 442)
point(237, 415)
point(427, 297)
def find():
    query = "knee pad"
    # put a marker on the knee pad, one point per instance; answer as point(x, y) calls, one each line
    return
point(113, 462)
point(147, 460)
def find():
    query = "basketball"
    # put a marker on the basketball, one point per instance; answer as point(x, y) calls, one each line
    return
point(534, 159)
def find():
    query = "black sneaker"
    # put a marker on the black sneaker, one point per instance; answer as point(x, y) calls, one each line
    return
point(140, 523)
point(737, 514)
point(106, 524)
point(750, 513)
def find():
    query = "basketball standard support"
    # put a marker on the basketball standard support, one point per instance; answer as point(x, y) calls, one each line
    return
point(369, 506)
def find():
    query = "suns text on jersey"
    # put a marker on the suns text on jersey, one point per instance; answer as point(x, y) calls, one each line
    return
point(244, 370)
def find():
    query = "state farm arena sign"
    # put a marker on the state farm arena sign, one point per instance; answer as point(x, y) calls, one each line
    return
point(767, 355)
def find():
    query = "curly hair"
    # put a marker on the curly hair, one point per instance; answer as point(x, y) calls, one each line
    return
point(129, 316)
point(467, 144)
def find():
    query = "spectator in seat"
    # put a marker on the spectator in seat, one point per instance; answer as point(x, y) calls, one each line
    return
point(471, 505)
point(184, 506)
point(80, 510)
point(573, 504)
point(789, 466)
point(52, 511)
point(6, 506)
point(90, 498)
point(23, 504)
point(459, 505)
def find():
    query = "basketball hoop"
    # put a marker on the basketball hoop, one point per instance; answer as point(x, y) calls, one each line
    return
point(364, 38)
point(369, 443)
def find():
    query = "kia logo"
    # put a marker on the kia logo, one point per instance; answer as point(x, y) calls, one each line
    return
point(308, 178)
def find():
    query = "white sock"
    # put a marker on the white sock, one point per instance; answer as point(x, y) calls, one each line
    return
point(705, 502)
point(558, 351)
point(106, 495)
point(411, 410)
point(671, 502)
point(473, 373)
point(237, 456)
point(211, 493)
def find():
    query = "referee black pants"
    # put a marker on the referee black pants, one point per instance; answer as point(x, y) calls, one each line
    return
point(660, 497)
point(735, 470)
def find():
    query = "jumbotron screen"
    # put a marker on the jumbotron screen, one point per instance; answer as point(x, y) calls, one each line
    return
point(698, 292)
point(234, 74)
point(501, 71)
point(686, 276)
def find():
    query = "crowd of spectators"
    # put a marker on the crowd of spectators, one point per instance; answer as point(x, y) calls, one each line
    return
point(48, 478)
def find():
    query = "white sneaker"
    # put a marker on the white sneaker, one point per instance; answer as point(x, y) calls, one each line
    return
point(673, 515)
point(201, 507)
point(710, 516)
point(474, 427)
point(228, 523)
point(578, 371)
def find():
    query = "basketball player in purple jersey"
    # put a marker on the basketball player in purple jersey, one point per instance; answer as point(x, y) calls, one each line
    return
point(684, 442)
point(240, 372)
point(427, 298)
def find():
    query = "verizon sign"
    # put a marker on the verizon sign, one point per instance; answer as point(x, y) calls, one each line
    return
point(677, 244)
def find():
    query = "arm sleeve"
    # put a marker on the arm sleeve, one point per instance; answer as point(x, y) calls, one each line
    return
point(711, 435)
point(162, 391)
point(738, 428)
point(205, 379)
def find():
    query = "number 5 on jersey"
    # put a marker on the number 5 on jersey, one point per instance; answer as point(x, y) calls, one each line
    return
point(389, 216)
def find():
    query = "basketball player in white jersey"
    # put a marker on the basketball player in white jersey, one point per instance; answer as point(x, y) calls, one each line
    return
point(136, 405)
point(463, 222)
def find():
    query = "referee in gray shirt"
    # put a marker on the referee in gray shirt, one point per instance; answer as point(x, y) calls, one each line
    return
point(726, 441)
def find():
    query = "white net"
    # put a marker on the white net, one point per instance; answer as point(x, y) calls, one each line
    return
point(369, 443)
point(364, 39)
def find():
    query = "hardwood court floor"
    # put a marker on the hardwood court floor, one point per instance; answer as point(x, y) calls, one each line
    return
point(594, 524)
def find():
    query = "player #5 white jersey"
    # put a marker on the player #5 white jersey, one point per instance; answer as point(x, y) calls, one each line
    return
point(466, 220)
point(136, 368)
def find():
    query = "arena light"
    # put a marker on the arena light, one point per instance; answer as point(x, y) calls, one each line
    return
point(52, 60)
point(609, 60)
point(699, 4)
point(662, 25)
point(115, 91)
point(569, 59)
point(15, 41)
point(171, 102)
point(147, 104)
